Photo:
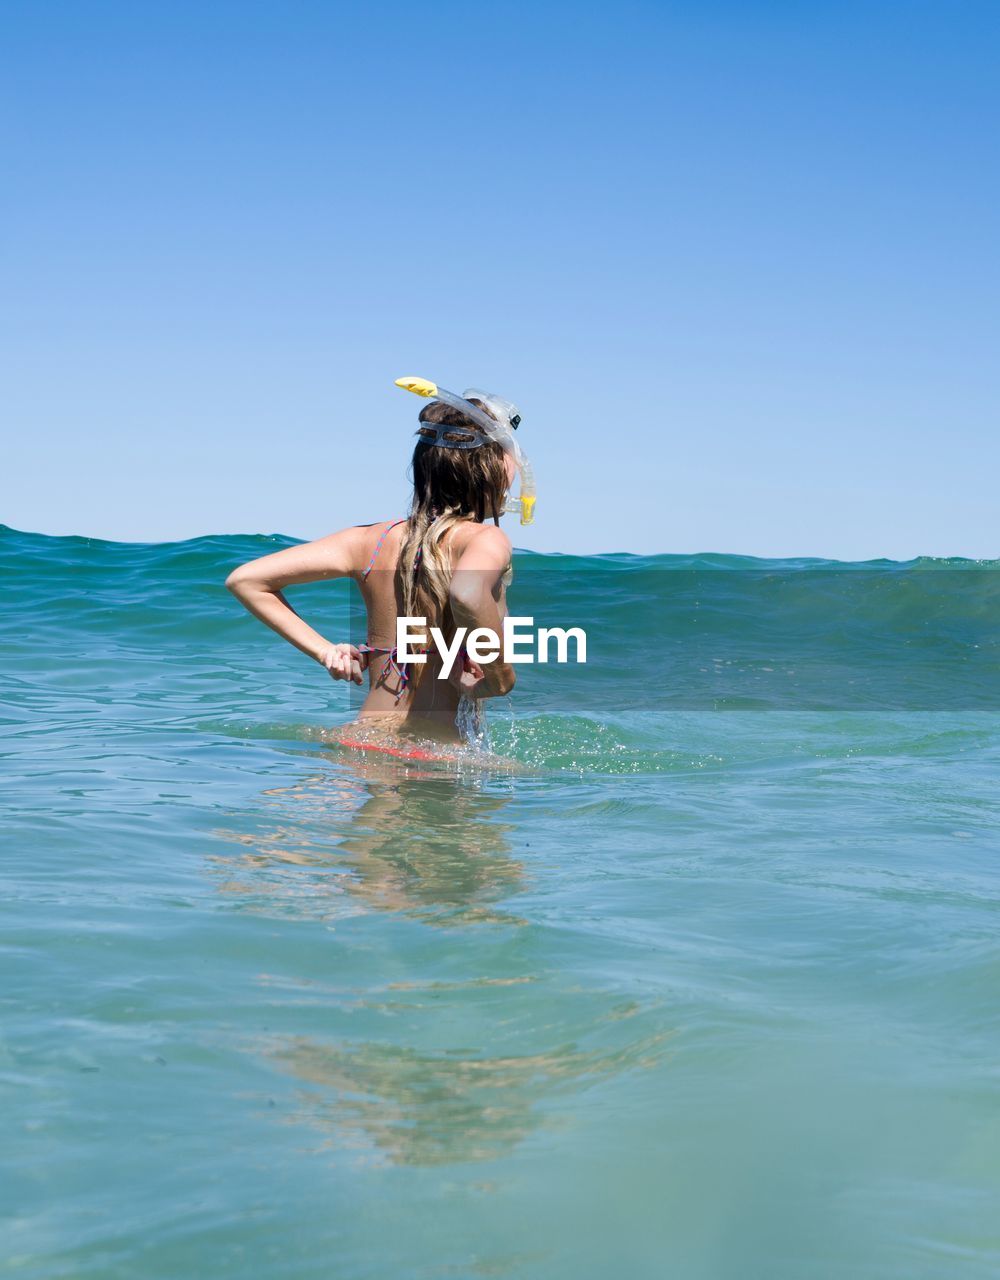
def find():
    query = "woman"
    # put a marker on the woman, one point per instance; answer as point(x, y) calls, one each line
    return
point(448, 562)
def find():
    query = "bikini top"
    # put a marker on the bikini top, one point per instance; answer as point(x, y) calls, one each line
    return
point(378, 545)
point(391, 663)
point(506, 578)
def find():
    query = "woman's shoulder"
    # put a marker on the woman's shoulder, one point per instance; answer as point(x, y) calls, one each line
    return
point(484, 547)
point(486, 537)
point(372, 539)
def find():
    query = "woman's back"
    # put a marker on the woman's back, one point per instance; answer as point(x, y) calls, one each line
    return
point(398, 691)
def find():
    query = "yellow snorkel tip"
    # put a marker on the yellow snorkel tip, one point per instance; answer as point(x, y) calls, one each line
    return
point(419, 386)
point(528, 510)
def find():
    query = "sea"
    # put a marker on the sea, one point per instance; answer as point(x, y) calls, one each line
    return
point(689, 970)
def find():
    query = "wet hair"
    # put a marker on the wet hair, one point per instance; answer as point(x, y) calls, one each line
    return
point(449, 486)
point(470, 483)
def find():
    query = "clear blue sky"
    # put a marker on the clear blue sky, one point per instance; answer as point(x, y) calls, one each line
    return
point(736, 262)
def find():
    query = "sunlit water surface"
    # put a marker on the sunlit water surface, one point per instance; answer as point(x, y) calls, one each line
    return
point(693, 991)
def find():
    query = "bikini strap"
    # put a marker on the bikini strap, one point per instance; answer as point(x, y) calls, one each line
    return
point(378, 545)
point(391, 663)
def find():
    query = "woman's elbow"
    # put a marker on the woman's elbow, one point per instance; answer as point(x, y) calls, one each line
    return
point(507, 679)
point(467, 599)
point(239, 579)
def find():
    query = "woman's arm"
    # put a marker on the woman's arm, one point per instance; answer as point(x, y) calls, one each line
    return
point(472, 596)
point(258, 586)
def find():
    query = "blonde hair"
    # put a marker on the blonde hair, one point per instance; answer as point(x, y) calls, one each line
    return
point(449, 486)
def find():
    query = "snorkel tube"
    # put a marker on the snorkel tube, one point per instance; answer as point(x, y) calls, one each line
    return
point(500, 431)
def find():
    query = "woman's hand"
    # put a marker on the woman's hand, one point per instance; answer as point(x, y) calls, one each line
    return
point(467, 677)
point(344, 662)
point(470, 680)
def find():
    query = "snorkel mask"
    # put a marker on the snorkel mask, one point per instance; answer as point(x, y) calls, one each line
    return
point(499, 429)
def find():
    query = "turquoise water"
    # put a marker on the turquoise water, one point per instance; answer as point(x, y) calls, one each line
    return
point(706, 989)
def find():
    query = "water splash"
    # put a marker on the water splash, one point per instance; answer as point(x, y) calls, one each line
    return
point(471, 723)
